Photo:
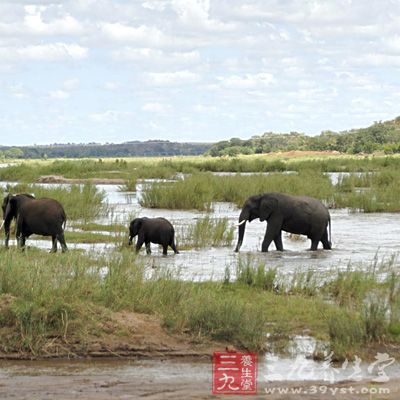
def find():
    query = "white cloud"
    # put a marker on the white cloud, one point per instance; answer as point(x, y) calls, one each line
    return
point(44, 52)
point(32, 23)
point(191, 60)
point(143, 36)
point(71, 84)
point(59, 94)
point(171, 78)
point(109, 116)
point(247, 81)
point(17, 91)
point(196, 14)
point(112, 86)
point(156, 108)
point(374, 60)
point(157, 57)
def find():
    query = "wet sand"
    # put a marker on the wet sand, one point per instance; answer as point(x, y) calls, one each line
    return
point(103, 380)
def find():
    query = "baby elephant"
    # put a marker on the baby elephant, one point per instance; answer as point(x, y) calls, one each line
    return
point(154, 230)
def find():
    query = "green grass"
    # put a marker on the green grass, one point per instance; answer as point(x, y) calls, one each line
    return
point(167, 167)
point(91, 226)
point(68, 296)
point(370, 192)
point(375, 192)
point(206, 232)
point(198, 191)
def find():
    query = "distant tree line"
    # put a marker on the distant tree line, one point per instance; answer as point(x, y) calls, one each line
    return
point(381, 136)
point(128, 149)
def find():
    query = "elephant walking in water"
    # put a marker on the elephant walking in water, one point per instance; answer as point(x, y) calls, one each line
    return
point(295, 214)
point(152, 230)
point(44, 217)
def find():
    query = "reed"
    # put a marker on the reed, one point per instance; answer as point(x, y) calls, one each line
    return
point(207, 232)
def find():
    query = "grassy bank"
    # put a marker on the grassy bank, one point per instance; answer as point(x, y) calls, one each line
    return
point(70, 296)
point(156, 167)
point(376, 190)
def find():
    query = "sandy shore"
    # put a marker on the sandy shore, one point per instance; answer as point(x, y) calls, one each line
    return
point(38, 383)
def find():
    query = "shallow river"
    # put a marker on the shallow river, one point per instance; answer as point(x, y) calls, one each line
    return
point(357, 239)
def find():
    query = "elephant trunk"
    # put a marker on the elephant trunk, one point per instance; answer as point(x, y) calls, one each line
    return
point(242, 226)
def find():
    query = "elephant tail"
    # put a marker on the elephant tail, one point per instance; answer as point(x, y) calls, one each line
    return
point(330, 233)
point(64, 216)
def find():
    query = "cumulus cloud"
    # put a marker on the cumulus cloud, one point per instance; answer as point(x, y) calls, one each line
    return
point(109, 116)
point(171, 78)
point(247, 81)
point(59, 94)
point(156, 108)
point(32, 23)
point(255, 64)
point(44, 52)
point(156, 57)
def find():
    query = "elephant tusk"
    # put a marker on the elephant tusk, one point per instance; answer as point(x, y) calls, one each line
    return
point(242, 222)
point(2, 224)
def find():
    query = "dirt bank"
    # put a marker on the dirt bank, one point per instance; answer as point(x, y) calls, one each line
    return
point(124, 334)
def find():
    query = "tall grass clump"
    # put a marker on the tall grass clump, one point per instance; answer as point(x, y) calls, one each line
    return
point(49, 297)
point(256, 274)
point(206, 232)
point(346, 333)
point(198, 191)
point(220, 315)
point(129, 185)
point(372, 192)
point(350, 287)
point(191, 193)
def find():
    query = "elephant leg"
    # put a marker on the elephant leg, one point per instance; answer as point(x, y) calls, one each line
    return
point(314, 244)
point(173, 247)
point(61, 239)
point(273, 231)
point(21, 241)
point(165, 249)
point(139, 244)
point(54, 241)
point(278, 242)
point(148, 248)
point(325, 241)
point(7, 239)
point(19, 235)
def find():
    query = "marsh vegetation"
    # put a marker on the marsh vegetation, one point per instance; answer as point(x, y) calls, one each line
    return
point(69, 297)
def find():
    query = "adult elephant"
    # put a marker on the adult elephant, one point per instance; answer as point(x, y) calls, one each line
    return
point(44, 217)
point(152, 230)
point(295, 214)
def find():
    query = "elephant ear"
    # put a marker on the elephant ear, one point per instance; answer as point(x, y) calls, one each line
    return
point(268, 205)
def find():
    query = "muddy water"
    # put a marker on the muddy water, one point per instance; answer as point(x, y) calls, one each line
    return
point(357, 239)
point(114, 378)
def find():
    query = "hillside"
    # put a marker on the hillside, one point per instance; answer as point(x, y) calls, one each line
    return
point(381, 136)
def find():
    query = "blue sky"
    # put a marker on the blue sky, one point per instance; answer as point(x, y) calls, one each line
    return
point(194, 70)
